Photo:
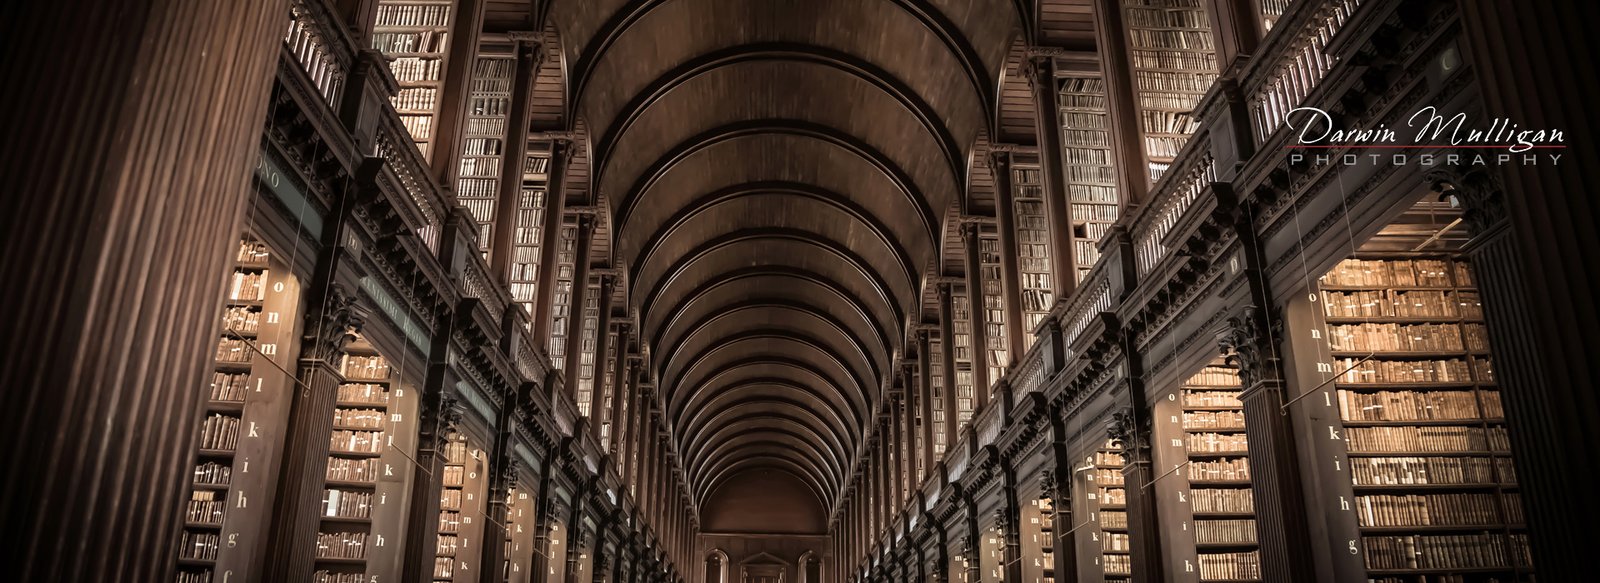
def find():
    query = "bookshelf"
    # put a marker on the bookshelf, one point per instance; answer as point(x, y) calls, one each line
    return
point(1271, 11)
point(1039, 564)
point(1433, 487)
point(1091, 177)
point(460, 528)
point(366, 484)
point(936, 386)
point(224, 519)
point(1201, 433)
point(525, 268)
point(961, 343)
point(484, 140)
point(413, 34)
point(1173, 55)
point(1108, 504)
point(587, 343)
point(1033, 249)
point(992, 555)
point(561, 303)
point(520, 512)
point(608, 392)
point(995, 353)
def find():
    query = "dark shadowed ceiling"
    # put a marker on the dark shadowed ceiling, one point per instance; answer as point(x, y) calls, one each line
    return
point(779, 174)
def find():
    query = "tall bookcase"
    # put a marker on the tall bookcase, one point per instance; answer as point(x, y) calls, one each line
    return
point(484, 139)
point(1037, 291)
point(461, 497)
point(1107, 502)
point(587, 343)
point(518, 567)
point(936, 385)
point(1433, 487)
point(1091, 177)
point(996, 354)
point(525, 268)
point(1271, 11)
point(225, 518)
point(608, 392)
point(961, 343)
point(414, 34)
point(1039, 536)
point(1174, 62)
point(367, 483)
point(1200, 433)
point(561, 308)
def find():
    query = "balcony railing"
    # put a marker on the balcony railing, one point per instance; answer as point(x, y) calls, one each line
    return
point(1283, 83)
point(323, 50)
point(397, 149)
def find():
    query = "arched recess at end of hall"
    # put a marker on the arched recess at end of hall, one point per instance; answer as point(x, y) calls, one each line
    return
point(716, 567)
point(809, 568)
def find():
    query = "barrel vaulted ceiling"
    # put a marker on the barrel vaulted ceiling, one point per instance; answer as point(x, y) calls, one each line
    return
point(779, 175)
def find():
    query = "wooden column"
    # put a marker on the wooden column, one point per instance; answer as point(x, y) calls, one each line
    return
point(555, 204)
point(1127, 138)
point(925, 385)
point(579, 298)
point(1539, 284)
point(437, 420)
point(977, 316)
point(897, 449)
point(1040, 72)
point(948, 353)
point(1131, 426)
point(602, 348)
point(913, 449)
point(620, 392)
point(502, 242)
point(128, 157)
point(462, 44)
point(1010, 271)
point(1057, 486)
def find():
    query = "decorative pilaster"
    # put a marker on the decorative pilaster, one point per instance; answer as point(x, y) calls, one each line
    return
point(579, 298)
point(555, 205)
point(977, 315)
point(598, 418)
point(291, 548)
point(952, 417)
point(502, 241)
point(1010, 284)
point(1131, 427)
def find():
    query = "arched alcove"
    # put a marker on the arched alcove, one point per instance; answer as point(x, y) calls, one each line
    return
point(764, 501)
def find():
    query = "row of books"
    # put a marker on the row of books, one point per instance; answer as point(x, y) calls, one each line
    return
point(364, 393)
point(449, 521)
point(415, 99)
point(1179, 60)
point(1427, 439)
point(400, 15)
point(1207, 442)
point(1373, 371)
point(1117, 564)
point(252, 252)
point(1213, 420)
point(1230, 566)
point(1168, 100)
point(201, 576)
point(488, 106)
point(219, 432)
point(1096, 193)
point(416, 69)
point(205, 507)
point(1082, 102)
point(241, 320)
point(1193, 40)
point(427, 41)
point(358, 418)
point(352, 470)
point(1170, 82)
point(1164, 146)
point(342, 545)
point(1413, 405)
point(213, 474)
point(1458, 509)
point(1422, 471)
point(200, 546)
point(1113, 519)
point(1391, 273)
point(480, 167)
point(1168, 122)
point(1115, 542)
point(1080, 174)
point(326, 576)
point(1082, 137)
point(419, 126)
point(1106, 476)
point(229, 386)
point(346, 441)
point(1226, 469)
point(450, 499)
point(1457, 551)
point(1094, 212)
point(1214, 398)
point(1167, 18)
point(483, 146)
point(358, 367)
point(1221, 500)
point(1225, 531)
point(1086, 120)
point(1392, 337)
point(491, 75)
point(346, 503)
point(233, 350)
point(1402, 304)
point(446, 545)
point(444, 568)
point(247, 286)
point(1113, 496)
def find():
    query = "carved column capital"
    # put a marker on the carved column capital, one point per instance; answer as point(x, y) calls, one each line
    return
point(334, 327)
point(1246, 341)
point(1129, 429)
point(1477, 189)
point(999, 161)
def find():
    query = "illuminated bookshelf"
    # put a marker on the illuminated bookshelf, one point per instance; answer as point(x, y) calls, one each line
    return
point(1174, 60)
point(1087, 163)
point(414, 35)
